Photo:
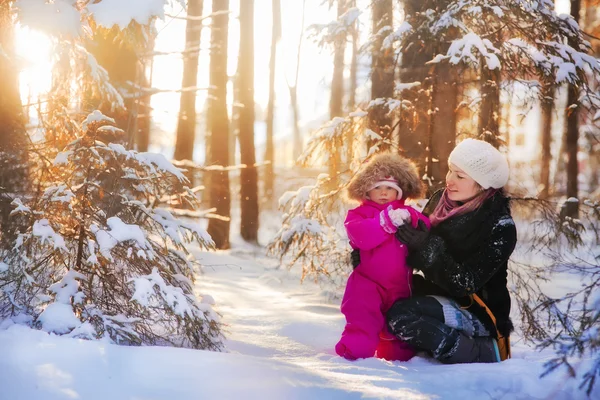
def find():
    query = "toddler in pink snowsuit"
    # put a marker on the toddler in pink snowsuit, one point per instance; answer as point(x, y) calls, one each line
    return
point(382, 276)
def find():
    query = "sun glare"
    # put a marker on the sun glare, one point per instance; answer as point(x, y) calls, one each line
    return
point(33, 51)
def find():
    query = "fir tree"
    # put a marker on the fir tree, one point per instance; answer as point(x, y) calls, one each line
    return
point(99, 259)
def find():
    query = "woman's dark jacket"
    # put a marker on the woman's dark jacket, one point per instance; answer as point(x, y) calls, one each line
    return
point(469, 254)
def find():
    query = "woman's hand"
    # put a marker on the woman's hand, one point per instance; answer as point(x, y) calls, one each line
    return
point(413, 238)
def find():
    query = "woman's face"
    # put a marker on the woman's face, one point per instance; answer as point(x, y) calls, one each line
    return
point(382, 194)
point(460, 186)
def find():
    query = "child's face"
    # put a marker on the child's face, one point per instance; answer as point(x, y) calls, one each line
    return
point(382, 194)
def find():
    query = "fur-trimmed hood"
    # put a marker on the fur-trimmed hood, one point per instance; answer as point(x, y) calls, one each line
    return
point(381, 166)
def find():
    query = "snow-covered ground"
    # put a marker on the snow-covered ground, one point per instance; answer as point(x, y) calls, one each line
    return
point(280, 338)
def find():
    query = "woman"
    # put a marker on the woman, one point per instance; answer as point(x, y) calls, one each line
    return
point(459, 312)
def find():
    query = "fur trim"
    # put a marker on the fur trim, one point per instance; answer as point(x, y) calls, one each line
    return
point(381, 166)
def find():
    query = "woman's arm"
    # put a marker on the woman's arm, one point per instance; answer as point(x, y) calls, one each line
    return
point(466, 277)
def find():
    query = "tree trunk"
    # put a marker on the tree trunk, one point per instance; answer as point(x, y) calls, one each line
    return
point(120, 59)
point(144, 110)
point(547, 107)
point(490, 105)
point(298, 145)
point(248, 175)
point(414, 123)
point(572, 137)
point(353, 64)
point(443, 121)
point(13, 136)
point(351, 105)
point(382, 71)
point(186, 123)
point(219, 194)
point(337, 95)
point(269, 148)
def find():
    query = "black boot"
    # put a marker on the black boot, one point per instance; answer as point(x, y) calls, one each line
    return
point(471, 350)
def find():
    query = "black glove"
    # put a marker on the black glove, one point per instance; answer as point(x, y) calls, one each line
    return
point(355, 258)
point(413, 238)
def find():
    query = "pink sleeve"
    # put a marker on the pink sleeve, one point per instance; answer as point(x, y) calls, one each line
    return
point(364, 233)
point(415, 216)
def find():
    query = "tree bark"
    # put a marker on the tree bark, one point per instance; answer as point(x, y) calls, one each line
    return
point(269, 147)
point(13, 136)
point(293, 88)
point(547, 107)
point(443, 120)
point(489, 112)
point(382, 71)
point(572, 137)
point(186, 123)
point(353, 64)
point(351, 105)
point(337, 95)
point(219, 192)
point(248, 175)
point(120, 59)
point(414, 123)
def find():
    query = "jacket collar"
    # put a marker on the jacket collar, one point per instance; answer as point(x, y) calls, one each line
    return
point(395, 204)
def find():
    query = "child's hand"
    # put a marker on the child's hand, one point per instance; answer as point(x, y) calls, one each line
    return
point(399, 217)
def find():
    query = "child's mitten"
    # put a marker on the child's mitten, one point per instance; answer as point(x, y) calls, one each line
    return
point(399, 216)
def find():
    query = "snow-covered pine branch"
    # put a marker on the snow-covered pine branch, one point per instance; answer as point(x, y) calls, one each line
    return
point(99, 260)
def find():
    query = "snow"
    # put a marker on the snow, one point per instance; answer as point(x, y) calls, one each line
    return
point(109, 13)
point(279, 346)
point(404, 86)
point(59, 17)
point(44, 231)
point(95, 116)
point(62, 157)
point(119, 232)
point(461, 50)
point(59, 318)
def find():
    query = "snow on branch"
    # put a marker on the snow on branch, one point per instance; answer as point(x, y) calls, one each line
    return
point(336, 30)
point(94, 239)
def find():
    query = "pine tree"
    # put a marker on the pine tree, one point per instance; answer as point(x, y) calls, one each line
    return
point(98, 258)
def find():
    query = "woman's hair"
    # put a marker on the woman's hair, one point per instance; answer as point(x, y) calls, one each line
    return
point(447, 208)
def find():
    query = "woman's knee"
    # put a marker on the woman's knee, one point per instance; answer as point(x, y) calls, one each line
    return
point(408, 310)
point(403, 311)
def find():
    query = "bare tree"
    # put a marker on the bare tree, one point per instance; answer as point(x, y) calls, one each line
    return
point(269, 150)
point(293, 88)
point(444, 94)
point(382, 69)
point(572, 135)
point(490, 105)
point(351, 104)
point(13, 136)
point(547, 104)
point(186, 123)
point(219, 192)
point(354, 32)
point(337, 89)
point(248, 175)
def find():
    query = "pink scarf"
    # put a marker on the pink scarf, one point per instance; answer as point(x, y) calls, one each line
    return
point(447, 208)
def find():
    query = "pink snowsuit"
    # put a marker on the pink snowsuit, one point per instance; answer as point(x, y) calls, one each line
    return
point(381, 278)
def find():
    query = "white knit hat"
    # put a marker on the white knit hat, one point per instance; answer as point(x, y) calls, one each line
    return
point(389, 182)
point(482, 162)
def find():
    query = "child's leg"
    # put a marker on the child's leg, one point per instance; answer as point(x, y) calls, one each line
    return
point(364, 320)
